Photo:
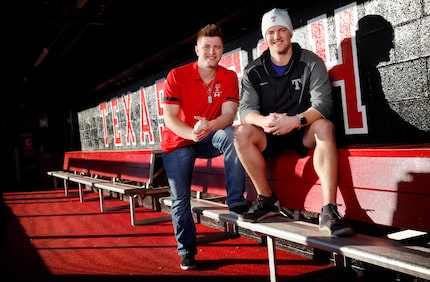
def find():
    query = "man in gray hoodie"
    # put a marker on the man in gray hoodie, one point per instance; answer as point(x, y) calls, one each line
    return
point(286, 103)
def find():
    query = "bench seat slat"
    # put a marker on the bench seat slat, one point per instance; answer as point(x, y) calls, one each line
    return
point(128, 189)
point(60, 174)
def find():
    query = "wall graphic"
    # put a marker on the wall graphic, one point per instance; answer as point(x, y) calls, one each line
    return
point(378, 57)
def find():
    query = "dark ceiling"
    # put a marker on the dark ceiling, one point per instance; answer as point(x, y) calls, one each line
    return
point(89, 48)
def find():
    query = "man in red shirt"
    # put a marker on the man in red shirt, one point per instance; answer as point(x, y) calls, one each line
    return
point(200, 104)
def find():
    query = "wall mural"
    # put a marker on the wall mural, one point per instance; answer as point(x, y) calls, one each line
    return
point(378, 63)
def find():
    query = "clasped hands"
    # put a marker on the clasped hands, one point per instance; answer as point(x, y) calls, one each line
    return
point(201, 129)
point(278, 124)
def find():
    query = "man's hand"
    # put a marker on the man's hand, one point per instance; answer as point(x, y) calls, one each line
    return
point(279, 124)
point(201, 129)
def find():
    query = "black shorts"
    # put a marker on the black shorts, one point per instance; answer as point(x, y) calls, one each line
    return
point(277, 144)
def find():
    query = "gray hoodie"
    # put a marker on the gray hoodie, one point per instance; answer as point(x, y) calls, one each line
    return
point(304, 84)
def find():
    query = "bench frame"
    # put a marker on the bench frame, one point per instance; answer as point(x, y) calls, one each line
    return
point(96, 170)
point(388, 163)
point(390, 254)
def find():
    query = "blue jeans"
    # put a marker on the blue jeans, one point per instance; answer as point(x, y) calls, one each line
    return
point(179, 166)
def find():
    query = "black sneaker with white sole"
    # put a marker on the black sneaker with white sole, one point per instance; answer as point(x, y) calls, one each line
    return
point(331, 222)
point(188, 262)
point(264, 207)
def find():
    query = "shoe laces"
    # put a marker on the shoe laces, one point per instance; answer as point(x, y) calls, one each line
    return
point(333, 213)
point(260, 202)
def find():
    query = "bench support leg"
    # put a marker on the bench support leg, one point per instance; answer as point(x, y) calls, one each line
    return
point(132, 199)
point(66, 190)
point(81, 195)
point(198, 216)
point(341, 261)
point(102, 200)
point(271, 251)
point(231, 229)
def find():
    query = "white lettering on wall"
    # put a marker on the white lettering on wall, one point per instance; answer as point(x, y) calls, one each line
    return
point(343, 70)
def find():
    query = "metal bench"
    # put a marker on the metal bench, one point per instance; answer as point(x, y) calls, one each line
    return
point(383, 186)
point(128, 173)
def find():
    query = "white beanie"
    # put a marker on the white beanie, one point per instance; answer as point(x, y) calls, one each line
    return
point(276, 17)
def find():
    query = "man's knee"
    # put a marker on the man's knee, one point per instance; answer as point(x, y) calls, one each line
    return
point(323, 129)
point(241, 135)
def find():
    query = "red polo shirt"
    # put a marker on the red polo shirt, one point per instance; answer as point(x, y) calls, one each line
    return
point(185, 88)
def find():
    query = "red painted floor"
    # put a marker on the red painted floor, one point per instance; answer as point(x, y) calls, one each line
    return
point(52, 237)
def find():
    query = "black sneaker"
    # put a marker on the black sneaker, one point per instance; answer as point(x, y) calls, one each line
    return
point(238, 210)
point(264, 207)
point(188, 262)
point(333, 223)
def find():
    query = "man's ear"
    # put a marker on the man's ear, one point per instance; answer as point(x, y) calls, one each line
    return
point(196, 49)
